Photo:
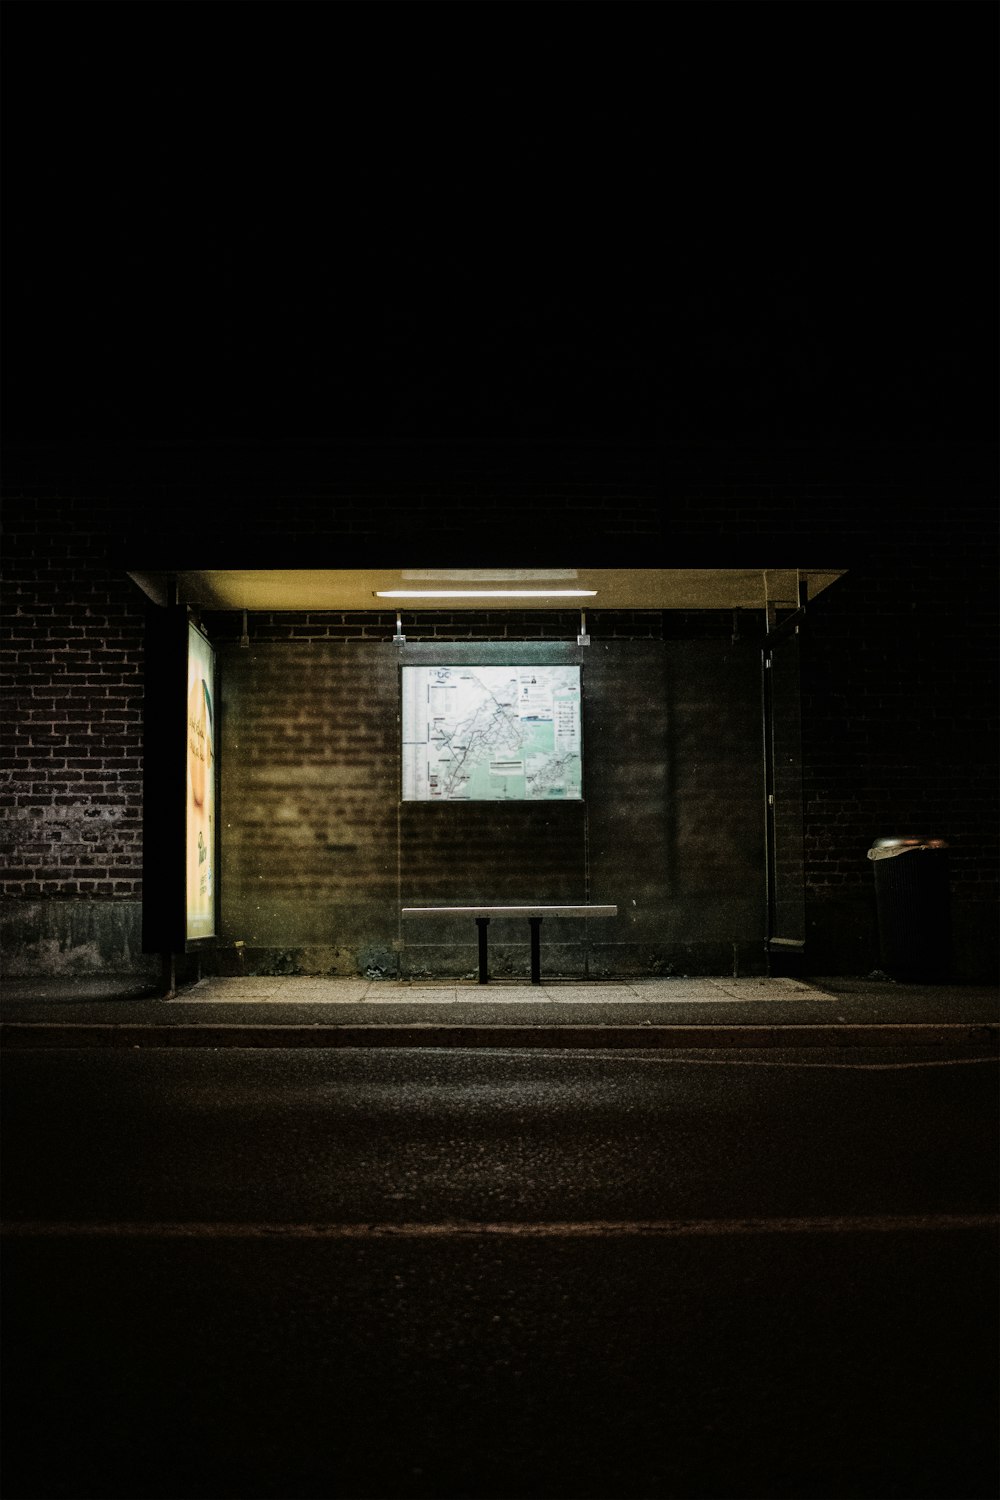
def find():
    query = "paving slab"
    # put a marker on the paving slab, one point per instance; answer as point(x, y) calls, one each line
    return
point(501, 992)
point(410, 995)
point(779, 988)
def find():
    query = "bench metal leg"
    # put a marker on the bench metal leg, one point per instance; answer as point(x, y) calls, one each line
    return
point(482, 923)
point(535, 924)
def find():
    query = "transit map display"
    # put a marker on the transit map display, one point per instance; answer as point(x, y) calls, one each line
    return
point(491, 734)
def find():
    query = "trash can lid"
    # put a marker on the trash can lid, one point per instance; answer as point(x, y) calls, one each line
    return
point(886, 848)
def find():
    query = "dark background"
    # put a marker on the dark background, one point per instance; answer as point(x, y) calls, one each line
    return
point(440, 223)
point(675, 285)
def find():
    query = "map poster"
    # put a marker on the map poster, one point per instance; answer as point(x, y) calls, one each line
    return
point(491, 734)
point(200, 841)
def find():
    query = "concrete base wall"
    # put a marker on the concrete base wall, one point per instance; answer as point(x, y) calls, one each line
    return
point(64, 938)
point(55, 939)
point(507, 960)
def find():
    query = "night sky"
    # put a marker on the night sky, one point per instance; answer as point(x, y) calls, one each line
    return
point(435, 222)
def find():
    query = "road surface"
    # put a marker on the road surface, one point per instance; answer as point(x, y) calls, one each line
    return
point(500, 1274)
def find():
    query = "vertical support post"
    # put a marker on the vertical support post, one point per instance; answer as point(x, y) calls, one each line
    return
point(767, 716)
point(168, 976)
point(767, 727)
point(535, 924)
point(482, 923)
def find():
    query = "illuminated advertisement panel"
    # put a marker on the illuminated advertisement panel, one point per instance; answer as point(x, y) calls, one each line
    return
point(200, 841)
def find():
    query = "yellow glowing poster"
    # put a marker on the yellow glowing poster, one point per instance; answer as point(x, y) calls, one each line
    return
point(200, 788)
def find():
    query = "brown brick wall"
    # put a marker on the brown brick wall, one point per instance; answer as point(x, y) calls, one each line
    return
point(319, 853)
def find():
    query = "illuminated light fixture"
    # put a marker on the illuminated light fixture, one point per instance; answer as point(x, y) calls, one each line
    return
point(484, 593)
point(488, 575)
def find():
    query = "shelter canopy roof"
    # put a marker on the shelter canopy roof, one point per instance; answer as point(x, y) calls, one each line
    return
point(357, 589)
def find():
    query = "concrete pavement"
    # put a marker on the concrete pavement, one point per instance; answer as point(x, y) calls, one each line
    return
point(682, 1011)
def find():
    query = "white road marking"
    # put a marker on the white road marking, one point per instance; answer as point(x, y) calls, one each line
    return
point(860, 1067)
point(462, 1229)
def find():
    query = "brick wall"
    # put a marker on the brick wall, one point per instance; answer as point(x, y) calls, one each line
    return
point(72, 772)
point(319, 854)
point(900, 737)
point(899, 658)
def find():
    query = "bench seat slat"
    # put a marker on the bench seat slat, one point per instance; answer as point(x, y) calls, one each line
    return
point(509, 911)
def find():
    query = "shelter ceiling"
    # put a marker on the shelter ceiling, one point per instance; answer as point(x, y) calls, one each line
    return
point(356, 589)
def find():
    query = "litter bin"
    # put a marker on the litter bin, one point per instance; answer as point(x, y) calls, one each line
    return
point(912, 897)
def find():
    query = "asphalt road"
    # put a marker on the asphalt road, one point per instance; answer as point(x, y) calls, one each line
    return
point(317, 1273)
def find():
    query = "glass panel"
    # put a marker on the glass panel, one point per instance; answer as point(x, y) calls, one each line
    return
point(788, 871)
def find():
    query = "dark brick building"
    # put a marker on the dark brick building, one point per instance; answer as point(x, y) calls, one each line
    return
point(674, 306)
point(897, 715)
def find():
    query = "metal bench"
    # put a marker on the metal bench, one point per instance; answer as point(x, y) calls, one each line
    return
point(534, 914)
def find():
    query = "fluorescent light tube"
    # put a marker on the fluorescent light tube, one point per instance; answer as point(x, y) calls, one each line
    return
point(484, 593)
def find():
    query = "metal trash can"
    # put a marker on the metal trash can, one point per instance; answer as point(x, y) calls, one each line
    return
point(912, 897)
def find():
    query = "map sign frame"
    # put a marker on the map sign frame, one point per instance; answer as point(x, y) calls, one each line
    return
point(491, 733)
